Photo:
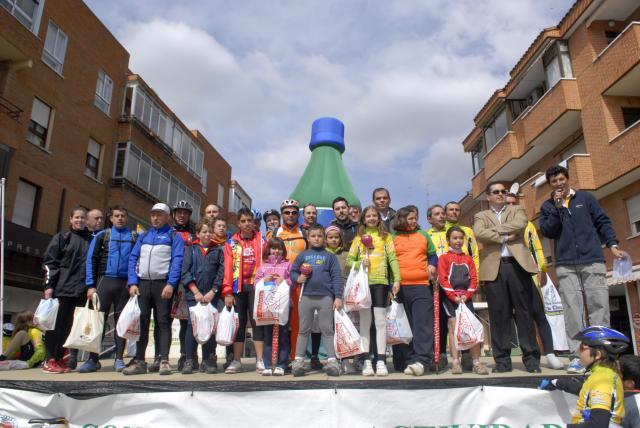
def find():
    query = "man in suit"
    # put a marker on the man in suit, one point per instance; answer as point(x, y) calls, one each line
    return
point(506, 267)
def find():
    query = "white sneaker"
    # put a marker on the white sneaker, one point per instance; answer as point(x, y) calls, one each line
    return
point(234, 367)
point(554, 362)
point(381, 369)
point(278, 371)
point(259, 366)
point(415, 369)
point(266, 372)
point(367, 368)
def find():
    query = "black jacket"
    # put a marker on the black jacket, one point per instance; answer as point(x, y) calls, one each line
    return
point(349, 229)
point(205, 271)
point(578, 231)
point(64, 263)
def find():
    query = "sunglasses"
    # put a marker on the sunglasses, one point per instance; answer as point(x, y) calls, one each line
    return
point(289, 212)
point(499, 192)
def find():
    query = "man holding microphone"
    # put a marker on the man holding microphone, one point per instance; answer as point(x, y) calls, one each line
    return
point(579, 226)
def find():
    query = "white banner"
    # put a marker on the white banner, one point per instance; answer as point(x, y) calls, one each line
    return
point(477, 407)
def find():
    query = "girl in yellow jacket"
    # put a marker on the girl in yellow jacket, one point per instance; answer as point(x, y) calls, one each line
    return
point(379, 257)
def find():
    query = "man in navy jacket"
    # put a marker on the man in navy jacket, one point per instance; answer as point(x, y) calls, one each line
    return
point(579, 226)
point(155, 268)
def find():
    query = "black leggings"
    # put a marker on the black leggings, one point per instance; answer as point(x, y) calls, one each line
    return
point(112, 291)
point(244, 309)
point(150, 298)
point(54, 339)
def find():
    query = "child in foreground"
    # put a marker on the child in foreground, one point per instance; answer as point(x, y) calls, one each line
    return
point(317, 272)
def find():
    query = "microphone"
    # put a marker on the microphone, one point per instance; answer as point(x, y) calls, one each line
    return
point(557, 195)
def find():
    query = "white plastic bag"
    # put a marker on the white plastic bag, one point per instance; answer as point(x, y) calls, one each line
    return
point(622, 269)
point(271, 303)
point(468, 329)
point(204, 318)
point(86, 332)
point(13, 365)
point(398, 327)
point(554, 311)
point(227, 327)
point(356, 291)
point(346, 340)
point(46, 314)
point(128, 326)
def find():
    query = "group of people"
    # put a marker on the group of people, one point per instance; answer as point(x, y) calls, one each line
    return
point(174, 260)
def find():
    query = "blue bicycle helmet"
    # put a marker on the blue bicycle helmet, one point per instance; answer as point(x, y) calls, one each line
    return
point(257, 215)
point(596, 336)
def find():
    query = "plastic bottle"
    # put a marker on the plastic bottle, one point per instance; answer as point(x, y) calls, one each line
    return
point(325, 177)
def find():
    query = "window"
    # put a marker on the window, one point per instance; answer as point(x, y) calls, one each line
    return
point(39, 123)
point(631, 116)
point(55, 47)
point(633, 207)
point(577, 148)
point(220, 201)
point(93, 158)
point(26, 11)
point(24, 209)
point(104, 88)
point(611, 35)
point(557, 63)
point(496, 130)
point(152, 116)
point(203, 180)
point(477, 157)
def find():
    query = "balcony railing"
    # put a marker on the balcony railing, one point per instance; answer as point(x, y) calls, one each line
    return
point(507, 148)
point(478, 183)
point(613, 65)
point(9, 108)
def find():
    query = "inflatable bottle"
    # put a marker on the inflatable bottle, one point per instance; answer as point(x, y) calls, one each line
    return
point(325, 177)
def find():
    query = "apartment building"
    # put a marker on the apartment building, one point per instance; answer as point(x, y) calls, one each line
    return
point(78, 128)
point(573, 98)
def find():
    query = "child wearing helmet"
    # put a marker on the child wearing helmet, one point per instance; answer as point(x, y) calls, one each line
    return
point(600, 402)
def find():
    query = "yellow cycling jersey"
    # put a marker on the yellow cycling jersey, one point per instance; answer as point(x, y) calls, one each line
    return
point(602, 390)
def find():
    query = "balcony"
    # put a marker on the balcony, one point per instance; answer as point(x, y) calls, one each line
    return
point(478, 183)
point(581, 172)
point(554, 117)
point(618, 65)
point(501, 162)
point(534, 194)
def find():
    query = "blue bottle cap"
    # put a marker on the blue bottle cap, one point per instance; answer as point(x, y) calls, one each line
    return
point(327, 131)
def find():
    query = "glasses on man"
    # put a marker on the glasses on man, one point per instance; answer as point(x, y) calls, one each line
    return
point(289, 212)
point(499, 192)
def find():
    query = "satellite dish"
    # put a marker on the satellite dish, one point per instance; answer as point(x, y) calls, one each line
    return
point(515, 187)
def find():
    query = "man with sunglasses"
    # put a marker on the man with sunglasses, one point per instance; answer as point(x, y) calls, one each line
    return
point(293, 237)
point(506, 267)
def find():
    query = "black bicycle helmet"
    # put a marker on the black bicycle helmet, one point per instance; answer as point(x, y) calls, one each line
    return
point(612, 341)
point(183, 205)
point(271, 212)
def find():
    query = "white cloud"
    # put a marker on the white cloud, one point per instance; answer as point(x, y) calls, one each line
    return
point(405, 77)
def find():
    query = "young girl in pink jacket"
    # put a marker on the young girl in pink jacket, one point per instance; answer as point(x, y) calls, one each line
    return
point(275, 268)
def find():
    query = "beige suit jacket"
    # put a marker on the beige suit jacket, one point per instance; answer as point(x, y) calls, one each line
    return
point(490, 231)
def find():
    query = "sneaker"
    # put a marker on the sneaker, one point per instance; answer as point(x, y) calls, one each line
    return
point(228, 360)
point(135, 368)
point(278, 371)
point(63, 366)
point(332, 368)
point(315, 363)
point(51, 366)
point(367, 369)
point(347, 367)
point(187, 367)
point(209, 366)
point(234, 367)
point(72, 362)
point(165, 368)
point(181, 362)
point(155, 366)
point(89, 366)
point(456, 368)
point(480, 369)
point(381, 369)
point(297, 368)
point(554, 362)
point(415, 369)
point(266, 372)
point(119, 365)
point(575, 367)
point(358, 363)
point(259, 366)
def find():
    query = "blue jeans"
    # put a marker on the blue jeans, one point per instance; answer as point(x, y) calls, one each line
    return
point(191, 344)
point(283, 345)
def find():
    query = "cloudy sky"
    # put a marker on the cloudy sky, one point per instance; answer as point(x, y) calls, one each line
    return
point(406, 78)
